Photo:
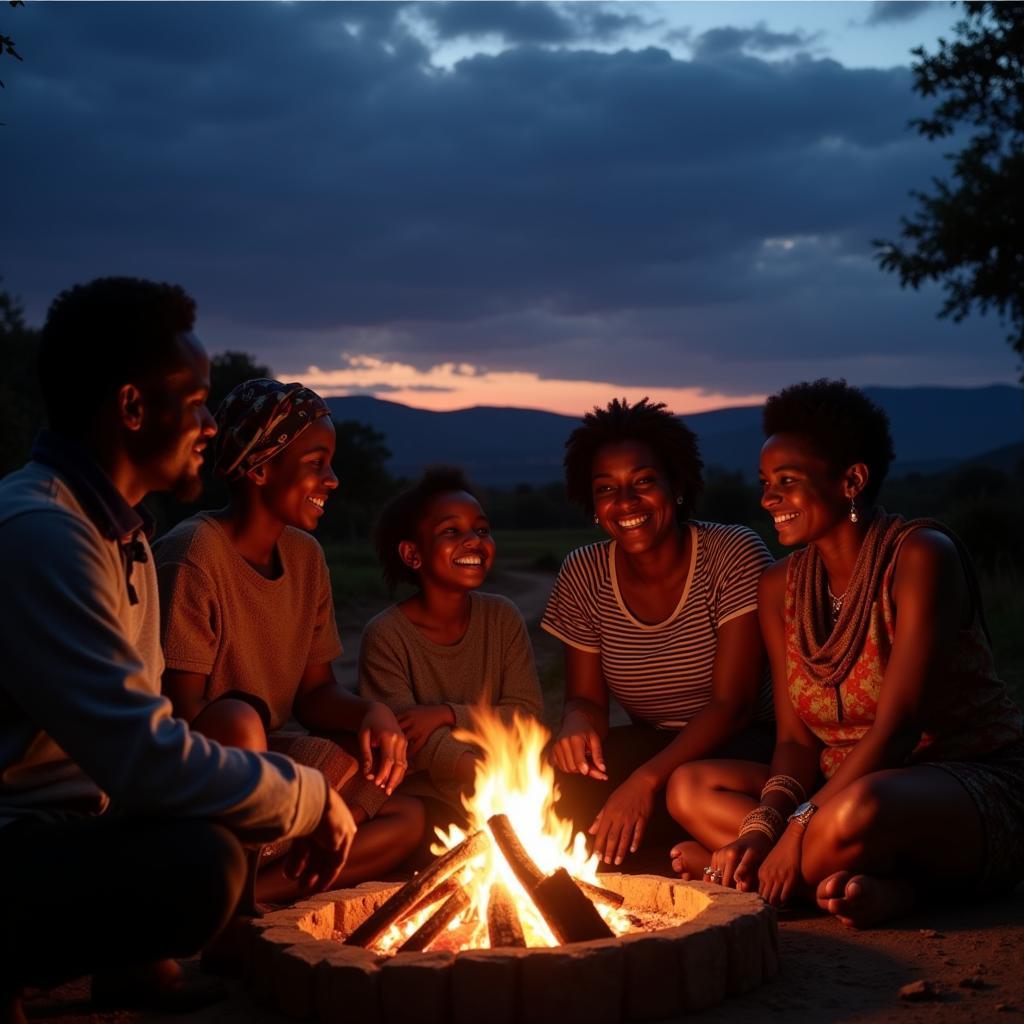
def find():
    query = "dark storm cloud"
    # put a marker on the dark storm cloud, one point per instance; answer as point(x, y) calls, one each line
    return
point(885, 12)
point(308, 173)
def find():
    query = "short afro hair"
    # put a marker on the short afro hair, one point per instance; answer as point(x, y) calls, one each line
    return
point(105, 334)
point(648, 422)
point(401, 516)
point(839, 422)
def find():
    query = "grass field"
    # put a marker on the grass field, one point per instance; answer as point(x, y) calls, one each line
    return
point(359, 593)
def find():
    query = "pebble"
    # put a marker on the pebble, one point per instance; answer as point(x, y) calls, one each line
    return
point(920, 991)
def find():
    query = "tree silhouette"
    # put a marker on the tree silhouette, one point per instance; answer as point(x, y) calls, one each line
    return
point(968, 233)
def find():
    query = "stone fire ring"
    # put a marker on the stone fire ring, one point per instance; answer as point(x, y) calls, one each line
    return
point(727, 944)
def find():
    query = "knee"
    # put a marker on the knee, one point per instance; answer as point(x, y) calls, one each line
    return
point(216, 873)
point(850, 822)
point(687, 787)
point(410, 816)
point(232, 723)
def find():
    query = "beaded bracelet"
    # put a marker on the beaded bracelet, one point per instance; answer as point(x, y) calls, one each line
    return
point(785, 784)
point(764, 819)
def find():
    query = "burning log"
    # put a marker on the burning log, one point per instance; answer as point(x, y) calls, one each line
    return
point(436, 923)
point(596, 894)
point(568, 913)
point(436, 895)
point(399, 904)
point(503, 925)
point(572, 917)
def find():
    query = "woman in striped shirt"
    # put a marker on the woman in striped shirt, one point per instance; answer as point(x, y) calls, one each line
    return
point(663, 617)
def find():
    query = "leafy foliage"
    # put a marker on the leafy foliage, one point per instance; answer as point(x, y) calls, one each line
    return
point(968, 233)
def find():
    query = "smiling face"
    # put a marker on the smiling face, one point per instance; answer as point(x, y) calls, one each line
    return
point(634, 501)
point(453, 548)
point(177, 425)
point(805, 497)
point(295, 484)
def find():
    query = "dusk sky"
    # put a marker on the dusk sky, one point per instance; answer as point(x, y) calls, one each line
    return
point(455, 204)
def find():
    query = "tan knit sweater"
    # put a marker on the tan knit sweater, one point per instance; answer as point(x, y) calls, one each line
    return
point(494, 660)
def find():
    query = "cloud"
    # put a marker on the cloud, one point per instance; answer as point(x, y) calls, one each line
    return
point(728, 39)
point(323, 188)
point(885, 12)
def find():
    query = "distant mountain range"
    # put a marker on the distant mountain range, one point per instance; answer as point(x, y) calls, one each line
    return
point(934, 428)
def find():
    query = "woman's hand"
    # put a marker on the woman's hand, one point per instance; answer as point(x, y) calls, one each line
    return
point(419, 722)
point(577, 748)
point(780, 872)
point(738, 862)
point(379, 728)
point(619, 825)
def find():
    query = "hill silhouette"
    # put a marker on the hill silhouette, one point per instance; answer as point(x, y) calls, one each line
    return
point(933, 428)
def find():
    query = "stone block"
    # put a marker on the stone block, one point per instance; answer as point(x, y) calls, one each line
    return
point(485, 986)
point(294, 971)
point(703, 959)
point(583, 981)
point(652, 976)
point(264, 949)
point(347, 986)
point(356, 905)
point(415, 988)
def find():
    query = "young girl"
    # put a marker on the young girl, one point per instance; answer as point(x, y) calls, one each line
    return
point(248, 619)
point(431, 657)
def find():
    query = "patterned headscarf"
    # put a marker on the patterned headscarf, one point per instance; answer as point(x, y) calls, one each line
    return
point(257, 420)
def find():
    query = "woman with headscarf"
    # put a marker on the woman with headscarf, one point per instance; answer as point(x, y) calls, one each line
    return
point(248, 623)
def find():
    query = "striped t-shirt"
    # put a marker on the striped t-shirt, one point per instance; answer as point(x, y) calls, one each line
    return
point(661, 673)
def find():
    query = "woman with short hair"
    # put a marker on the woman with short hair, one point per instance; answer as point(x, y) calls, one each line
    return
point(899, 762)
point(662, 616)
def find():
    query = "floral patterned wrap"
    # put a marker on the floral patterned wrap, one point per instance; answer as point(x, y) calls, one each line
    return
point(259, 419)
point(968, 711)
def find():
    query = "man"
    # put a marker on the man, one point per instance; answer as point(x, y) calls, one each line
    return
point(110, 808)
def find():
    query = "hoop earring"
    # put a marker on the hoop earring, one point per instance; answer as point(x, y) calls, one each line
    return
point(854, 514)
point(596, 521)
point(679, 500)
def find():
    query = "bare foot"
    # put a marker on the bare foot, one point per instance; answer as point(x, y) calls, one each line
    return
point(689, 859)
point(861, 901)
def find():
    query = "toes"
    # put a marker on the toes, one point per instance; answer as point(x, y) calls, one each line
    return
point(832, 888)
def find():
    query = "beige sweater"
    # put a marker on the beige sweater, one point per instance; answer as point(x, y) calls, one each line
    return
point(494, 661)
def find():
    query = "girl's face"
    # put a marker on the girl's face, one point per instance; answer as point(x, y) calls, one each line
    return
point(296, 484)
point(453, 548)
point(633, 498)
point(805, 497)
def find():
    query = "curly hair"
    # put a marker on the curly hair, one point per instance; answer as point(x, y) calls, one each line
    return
point(839, 422)
point(102, 335)
point(401, 516)
point(648, 422)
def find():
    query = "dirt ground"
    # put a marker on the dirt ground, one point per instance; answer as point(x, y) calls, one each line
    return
point(972, 953)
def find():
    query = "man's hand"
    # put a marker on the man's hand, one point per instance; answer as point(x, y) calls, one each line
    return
point(419, 722)
point(619, 825)
point(381, 729)
point(577, 748)
point(316, 860)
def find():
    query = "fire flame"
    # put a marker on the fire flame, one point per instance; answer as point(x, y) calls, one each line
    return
point(514, 778)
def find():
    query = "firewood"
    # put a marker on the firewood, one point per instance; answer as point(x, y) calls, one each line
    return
point(417, 886)
point(523, 867)
point(436, 895)
point(503, 925)
point(568, 913)
point(572, 917)
point(436, 923)
point(596, 894)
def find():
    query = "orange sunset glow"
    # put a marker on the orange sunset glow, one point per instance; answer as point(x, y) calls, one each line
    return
point(449, 386)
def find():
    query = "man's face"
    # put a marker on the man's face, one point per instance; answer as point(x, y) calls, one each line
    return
point(177, 424)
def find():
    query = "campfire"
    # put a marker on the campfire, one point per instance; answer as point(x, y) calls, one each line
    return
point(510, 924)
point(519, 878)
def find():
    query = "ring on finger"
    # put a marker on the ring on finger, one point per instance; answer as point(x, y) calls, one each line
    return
point(709, 870)
point(716, 877)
